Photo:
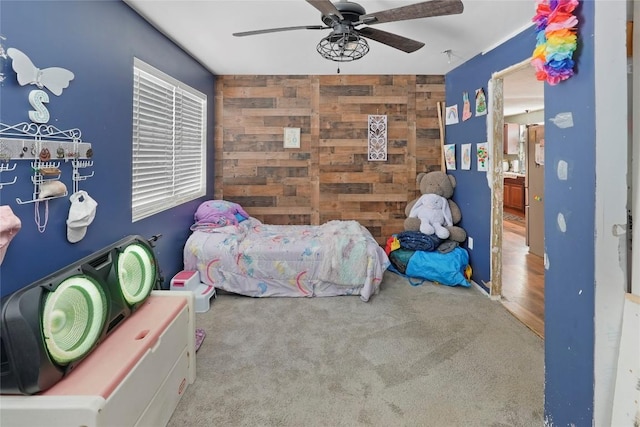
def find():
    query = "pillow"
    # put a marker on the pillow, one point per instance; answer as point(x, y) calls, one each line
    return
point(218, 213)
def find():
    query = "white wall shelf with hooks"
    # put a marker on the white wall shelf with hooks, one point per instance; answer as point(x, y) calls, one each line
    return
point(39, 179)
point(77, 177)
point(28, 141)
point(7, 168)
point(46, 146)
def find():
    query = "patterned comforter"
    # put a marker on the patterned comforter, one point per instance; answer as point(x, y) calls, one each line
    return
point(260, 260)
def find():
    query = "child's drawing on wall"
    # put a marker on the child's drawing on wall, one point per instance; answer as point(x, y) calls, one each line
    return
point(481, 102)
point(450, 156)
point(482, 152)
point(466, 106)
point(465, 162)
point(451, 115)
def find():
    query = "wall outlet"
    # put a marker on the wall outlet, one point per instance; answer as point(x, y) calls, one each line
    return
point(470, 243)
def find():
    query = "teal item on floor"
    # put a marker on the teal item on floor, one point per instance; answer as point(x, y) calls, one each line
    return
point(444, 268)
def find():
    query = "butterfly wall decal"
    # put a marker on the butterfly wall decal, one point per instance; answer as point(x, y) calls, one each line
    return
point(55, 79)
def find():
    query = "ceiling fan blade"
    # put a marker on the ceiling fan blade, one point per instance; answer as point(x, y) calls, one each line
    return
point(424, 9)
point(275, 30)
point(326, 8)
point(402, 43)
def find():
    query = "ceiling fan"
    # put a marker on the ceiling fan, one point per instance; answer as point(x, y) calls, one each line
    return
point(350, 26)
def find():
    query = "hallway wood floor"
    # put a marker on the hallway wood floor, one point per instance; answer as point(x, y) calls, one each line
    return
point(522, 278)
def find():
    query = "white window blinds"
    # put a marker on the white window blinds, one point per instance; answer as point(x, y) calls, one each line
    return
point(169, 142)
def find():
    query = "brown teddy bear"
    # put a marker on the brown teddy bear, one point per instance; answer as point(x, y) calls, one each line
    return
point(437, 182)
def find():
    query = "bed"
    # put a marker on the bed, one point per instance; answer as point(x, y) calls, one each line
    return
point(245, 256)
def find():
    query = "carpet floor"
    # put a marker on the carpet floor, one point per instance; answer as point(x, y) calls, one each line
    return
point(427, 355)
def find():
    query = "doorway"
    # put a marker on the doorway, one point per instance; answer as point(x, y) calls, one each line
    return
point(517, 263)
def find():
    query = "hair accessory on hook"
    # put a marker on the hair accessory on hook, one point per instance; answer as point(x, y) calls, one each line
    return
point(45, 154)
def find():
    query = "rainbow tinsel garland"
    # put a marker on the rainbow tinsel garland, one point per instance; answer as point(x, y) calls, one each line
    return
point(556, 40)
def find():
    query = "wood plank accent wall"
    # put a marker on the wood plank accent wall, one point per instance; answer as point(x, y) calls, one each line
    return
point(329, 176)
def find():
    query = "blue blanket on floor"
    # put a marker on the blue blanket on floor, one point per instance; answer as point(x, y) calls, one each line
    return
point(446, 269)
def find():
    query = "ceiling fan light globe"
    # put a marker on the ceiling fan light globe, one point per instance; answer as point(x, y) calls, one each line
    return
point(343, 47)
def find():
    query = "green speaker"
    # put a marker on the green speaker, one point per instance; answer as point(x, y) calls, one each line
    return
point(49, 326)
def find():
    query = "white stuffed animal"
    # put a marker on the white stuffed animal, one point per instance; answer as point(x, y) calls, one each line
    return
point(434, 213)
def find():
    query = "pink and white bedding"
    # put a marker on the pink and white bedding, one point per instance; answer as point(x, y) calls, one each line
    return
point(260, 260)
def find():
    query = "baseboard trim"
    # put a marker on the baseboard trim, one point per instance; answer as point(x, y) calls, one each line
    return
point(478, 287)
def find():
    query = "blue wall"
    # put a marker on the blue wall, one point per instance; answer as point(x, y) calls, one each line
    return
point(97, 41)
point(569, 279)
point(472, 193)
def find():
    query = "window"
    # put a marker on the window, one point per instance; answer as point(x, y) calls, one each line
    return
point(169, 142)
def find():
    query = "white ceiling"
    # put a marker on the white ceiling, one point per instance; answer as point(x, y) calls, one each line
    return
point(204, 28)
point(522, 92)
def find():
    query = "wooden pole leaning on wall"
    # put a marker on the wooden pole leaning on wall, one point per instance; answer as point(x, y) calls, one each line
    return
point(440, 107)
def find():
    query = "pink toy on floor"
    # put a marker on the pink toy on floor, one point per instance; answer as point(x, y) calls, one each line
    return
point(200, 334)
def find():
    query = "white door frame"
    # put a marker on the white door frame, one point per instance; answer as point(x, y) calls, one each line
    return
point(635, 162)
point(495, 174)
